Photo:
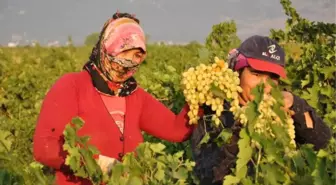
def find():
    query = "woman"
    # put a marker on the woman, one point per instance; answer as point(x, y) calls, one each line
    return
point(105, 94)
point(257, 59)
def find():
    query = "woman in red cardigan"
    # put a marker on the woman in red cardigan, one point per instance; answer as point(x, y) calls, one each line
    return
point(105, 94)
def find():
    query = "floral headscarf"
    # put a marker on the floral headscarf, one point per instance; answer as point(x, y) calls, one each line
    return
point(117, 35)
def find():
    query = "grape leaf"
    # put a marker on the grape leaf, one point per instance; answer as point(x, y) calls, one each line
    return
point(204, 140)
point(6, 140)
point(181, 173)
point(158, 147)
point(223, 137)
point(319, 174)
point(134, 180)
point(231, 180)
point(329, 72)
point(159, 175)
point(274, 175)
point(244, 155)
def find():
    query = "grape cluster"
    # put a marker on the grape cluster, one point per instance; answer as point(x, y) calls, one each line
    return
point(211, 85)
point(268, 116)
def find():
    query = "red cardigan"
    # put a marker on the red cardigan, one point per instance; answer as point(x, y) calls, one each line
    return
point(74, 95)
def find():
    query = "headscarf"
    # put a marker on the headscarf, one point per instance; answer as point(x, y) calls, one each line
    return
point(117, 35)
point(237, 61)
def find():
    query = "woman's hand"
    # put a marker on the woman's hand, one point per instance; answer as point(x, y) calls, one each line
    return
point(106, 163)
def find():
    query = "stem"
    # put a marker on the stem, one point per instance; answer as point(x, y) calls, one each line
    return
point(257, 166)
point(205, 129)
point(254, 164)
point(40, 178)
point(286, 170)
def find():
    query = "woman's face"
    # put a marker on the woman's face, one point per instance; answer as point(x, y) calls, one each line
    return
point(250, 78)
point(125, 64)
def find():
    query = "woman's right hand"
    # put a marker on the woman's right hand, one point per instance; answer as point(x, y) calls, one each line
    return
point(106, 163)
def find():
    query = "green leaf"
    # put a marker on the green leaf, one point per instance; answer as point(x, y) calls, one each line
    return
point(181, 173)
point(231, 180)
point(134, 180)
point(241, 171)
point(309, 155)
point(252, 113)
point(276, 93)
point(282, 136)
point(285, 81)
point(319, 173)
point(322, 153)
point(117, 172)
point(6, 140)
point(78, 122)
point(247, 181)
point(204, 140)
point(223, 137)
point(299, 162)
point(244, 154)
point(274, 175)
point(80, 160)
point(179, 154)
point(329, 72)
point(73, 159)
point(80, 172)
point(305, 82)
point(258, 93)
point(159, 175)
point(170, 68)
point(157, 147)
point(328, 91)
point(217, 92)
point(84, 139)
point(70, 135)
point(282, 115)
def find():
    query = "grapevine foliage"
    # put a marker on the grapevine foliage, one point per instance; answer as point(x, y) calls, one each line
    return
point(27, 73)
point(271, 163)
point(148, 165)
point(13, 169)
point(267, 137)
point(81, 155)
point(317, 45)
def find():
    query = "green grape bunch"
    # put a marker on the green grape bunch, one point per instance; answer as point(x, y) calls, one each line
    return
point(211, 85)
point(268, 116)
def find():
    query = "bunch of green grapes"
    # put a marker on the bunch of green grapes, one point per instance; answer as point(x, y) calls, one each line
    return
point(211, 85)
point(268, 116)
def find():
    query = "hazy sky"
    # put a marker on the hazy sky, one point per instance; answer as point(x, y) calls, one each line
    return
point(175, 20)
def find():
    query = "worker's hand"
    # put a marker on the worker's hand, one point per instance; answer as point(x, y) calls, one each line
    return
point(288, 101)
point(106, 163)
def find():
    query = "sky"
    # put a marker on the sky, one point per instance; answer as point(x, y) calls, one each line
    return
point(164, 20)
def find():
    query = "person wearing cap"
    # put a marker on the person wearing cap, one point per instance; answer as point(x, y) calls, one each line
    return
point(257, 59)
point(106, 96)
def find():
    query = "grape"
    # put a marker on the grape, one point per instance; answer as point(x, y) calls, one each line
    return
point(268, 116)
point(197, 83)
